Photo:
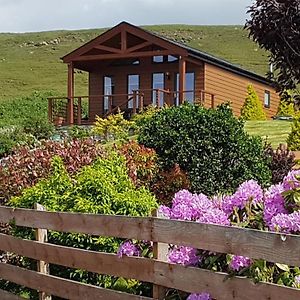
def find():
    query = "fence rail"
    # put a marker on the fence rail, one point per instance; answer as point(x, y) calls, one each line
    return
point(256, 244)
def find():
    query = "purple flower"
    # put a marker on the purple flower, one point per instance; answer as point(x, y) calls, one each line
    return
point(249, 191)
point(128, 249)
point(291, 181)
point(297, 280)
point(214, 216)
point(202, 296)
point(286, 223)
point(273, 203)
point(181, 255)
point(239, 262)
point(195, 207)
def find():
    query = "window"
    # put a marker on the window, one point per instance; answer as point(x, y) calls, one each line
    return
point(133, 84)
point(267, 101)
point(188, 96)
point(158, 59)
point(172, 58)
point(108, 88)
point(158, 82)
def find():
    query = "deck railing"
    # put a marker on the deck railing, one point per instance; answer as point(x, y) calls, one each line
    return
point(272, 247)
point(63, 111)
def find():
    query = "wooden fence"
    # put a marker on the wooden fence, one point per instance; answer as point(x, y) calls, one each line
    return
point(271, 247)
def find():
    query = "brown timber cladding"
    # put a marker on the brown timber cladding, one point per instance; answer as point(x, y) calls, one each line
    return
point(145, 69)
point(228, 86)
point(252, 243)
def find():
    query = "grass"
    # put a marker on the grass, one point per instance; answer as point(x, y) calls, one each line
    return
point(275, 132)
point(31, 61)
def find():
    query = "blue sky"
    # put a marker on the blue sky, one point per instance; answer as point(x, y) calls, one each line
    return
point(40, 15)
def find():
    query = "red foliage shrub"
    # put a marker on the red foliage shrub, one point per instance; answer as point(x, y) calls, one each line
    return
point(144, 170)
point(169, 182)
point(25, 167)
point(141, 163)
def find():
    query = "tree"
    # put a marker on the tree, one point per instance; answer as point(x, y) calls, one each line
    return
point(252, 108)
point(275, 26)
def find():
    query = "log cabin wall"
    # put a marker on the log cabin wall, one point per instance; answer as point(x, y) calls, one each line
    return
point(228, 86)
point(144, 69)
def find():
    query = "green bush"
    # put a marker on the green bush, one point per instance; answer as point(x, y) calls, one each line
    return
point(285, 108)
point(11, 137)
point(112, 127)
point(252, 108)
point(39, 127)
point(293, 139)
point(102, 188)
point(210, 145)
point(15, 111)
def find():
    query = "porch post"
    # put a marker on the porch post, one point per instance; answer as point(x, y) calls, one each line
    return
point(182, 71)
point(70, 113)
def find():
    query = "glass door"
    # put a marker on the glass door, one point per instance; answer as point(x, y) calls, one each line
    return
point(108, 88)
point(188, 96)
point(133, 85)
point(158, 82)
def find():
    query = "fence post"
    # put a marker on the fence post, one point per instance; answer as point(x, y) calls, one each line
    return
point(160, 252)
point(41, 236)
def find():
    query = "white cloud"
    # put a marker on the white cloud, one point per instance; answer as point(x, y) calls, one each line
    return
point(38, 15)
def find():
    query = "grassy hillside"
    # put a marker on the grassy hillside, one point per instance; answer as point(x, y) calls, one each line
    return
point(31, 61)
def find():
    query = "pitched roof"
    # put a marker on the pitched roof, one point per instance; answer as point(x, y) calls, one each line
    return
point(192, 52)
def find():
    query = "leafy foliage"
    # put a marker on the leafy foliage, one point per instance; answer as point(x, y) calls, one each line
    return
point(293, 139)
point(102, 188)
point(281, 162)
point(26, 166)
point(141, 163)
point(12, 137)
point(274, 25)
point(210, 145)
point(252, 108)
point(15, 111)
point(140, 118)
point(168, 183)
point(113, 127)
point(287, 105)
point(38, 127)
point(79, 132)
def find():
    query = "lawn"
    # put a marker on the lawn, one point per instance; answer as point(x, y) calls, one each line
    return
point(275, 132)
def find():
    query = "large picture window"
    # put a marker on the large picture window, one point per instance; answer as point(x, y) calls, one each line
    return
point(133, 85)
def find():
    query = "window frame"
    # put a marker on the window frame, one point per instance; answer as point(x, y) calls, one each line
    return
point(268, 103)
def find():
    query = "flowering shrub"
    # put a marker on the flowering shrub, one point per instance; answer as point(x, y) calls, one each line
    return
point(26, 166)
point(276, 208)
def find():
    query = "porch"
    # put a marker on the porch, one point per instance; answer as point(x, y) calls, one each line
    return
point(76, 110)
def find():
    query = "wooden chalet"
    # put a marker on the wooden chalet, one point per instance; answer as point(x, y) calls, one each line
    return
point(130, 68)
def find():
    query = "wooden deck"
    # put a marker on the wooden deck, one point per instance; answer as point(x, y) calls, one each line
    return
point(69, 111)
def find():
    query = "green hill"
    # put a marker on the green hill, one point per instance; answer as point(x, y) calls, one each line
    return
point(31, 61)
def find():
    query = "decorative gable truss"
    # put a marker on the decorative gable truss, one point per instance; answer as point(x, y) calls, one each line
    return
point(124, 41)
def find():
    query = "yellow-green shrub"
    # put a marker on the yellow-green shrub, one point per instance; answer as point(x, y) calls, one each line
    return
point(112, 127)
point(252, 108)
point(293, 139)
